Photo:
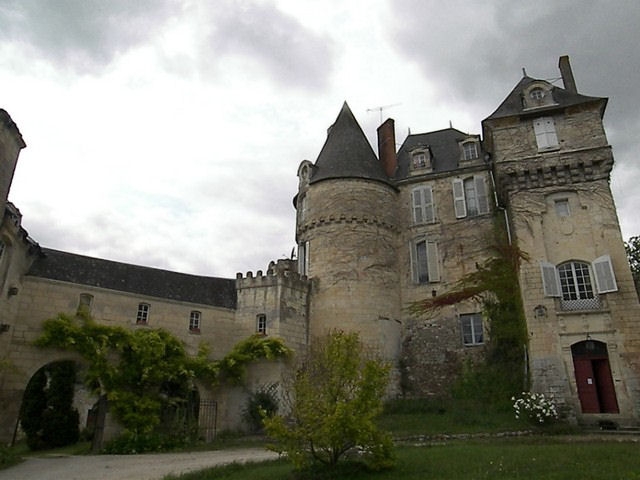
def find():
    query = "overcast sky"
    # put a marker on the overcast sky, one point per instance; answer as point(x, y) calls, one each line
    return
point(168, 133)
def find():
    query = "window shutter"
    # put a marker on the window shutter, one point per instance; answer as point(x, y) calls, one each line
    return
point(545, 130)
point(605, 279)
point(414, 262)
point(481, 192)
point(459, 204)
point(422, 200)
point(550, 280)
point(417, 205)
point(432, 262)
point(427, 196)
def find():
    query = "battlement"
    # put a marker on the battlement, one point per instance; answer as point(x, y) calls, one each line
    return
point(347, 219)
point(281, 272)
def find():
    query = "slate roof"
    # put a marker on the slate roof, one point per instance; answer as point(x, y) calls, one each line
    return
point(512, 105)
point(347, 153)
point(444, 147)
point(95, 272)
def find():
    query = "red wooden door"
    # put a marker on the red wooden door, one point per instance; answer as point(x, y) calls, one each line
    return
point(586, 383)
point(604, 384)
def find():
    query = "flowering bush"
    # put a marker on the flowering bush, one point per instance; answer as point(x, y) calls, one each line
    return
point(535, 406)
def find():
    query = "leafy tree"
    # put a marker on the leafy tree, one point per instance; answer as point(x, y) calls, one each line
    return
point(632, 247)
point(143, 371)
point(335, 396)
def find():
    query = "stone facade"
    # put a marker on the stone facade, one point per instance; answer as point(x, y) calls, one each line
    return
point(375, 233)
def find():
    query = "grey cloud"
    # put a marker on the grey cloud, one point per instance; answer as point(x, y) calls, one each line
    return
point(290, 54)
point(82, 35)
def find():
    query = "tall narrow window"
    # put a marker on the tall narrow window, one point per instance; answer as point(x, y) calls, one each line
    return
point(84, 303)
point(2, 248)
point(470, 197)
point(424, 261)
point(194, 321)
point(303, 258)
point(545, 130)
point(562, 207)
point(261, 324)
point(471, 325)
point(143, 314)
point(422, 205)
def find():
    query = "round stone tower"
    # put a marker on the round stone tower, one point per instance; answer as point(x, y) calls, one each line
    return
point(347, 234)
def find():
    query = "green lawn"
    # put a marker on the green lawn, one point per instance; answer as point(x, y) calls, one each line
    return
point(537, 457)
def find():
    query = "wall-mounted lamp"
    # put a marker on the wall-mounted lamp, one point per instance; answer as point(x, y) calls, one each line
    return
point(589, 344)
point(540, 311)
point(4, 327)
point(434, 293)
point(12, 291)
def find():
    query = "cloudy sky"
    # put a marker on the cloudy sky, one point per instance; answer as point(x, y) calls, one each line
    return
point(168, 133)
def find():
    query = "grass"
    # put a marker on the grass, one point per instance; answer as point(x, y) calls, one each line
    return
point(540, 458)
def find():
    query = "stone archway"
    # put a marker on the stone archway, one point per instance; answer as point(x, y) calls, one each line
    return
point(594, 381)
point(48, 416)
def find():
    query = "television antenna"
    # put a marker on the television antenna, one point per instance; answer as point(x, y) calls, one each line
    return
point(381, 108)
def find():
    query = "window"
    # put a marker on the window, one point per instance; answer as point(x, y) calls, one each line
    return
point(303, 258)
point(419, 160)
point(261, 324)
point(84, 303)
point(573, 283)
point(470, 151)
point(2, 248)
point(143, 314)
point(471, 325)
point(545, 130)
point(424, 261)
point(194, 321)
point(422, 205)
point(470, 197)
point(536, 94)
point(562, 207)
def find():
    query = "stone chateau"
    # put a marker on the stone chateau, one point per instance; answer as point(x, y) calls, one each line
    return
point(374, 233)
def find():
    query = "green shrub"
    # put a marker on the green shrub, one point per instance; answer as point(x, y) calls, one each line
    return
point(260, 404)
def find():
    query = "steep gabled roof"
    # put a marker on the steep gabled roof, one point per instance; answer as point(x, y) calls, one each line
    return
point(444, 146)
point(123, 277)
point(347, 153)
point(513, 105)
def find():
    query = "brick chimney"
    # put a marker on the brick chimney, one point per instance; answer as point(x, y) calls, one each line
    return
point(387, 147)
point(567, 74)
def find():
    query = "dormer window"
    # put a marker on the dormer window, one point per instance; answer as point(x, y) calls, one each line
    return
point(421, 159)
point(470, 150)
point(536, 94)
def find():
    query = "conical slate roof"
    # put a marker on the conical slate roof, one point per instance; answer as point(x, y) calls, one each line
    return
point(347, 153)
point(512, 105)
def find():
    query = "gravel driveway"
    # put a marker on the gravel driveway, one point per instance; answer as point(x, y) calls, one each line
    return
point(125, 467)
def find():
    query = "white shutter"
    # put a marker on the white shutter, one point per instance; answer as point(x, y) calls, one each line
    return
point(432, 262)
point(605, 279)
point(550, 280)
point(481, 192)
point(422, 203)
point(429, 209)
point(416, 195)
point(545, 130)
point(459, 203)
point(414, 261)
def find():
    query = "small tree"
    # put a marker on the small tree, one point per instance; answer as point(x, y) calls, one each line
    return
point(335, 396)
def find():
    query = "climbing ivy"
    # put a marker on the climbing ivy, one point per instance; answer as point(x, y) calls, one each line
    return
point(142, 371)
point(495, 284)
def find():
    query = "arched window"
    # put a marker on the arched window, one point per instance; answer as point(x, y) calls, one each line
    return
point(577, 287)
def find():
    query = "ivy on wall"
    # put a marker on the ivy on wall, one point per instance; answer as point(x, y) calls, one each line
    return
point(495, 285)
point(141, 371)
